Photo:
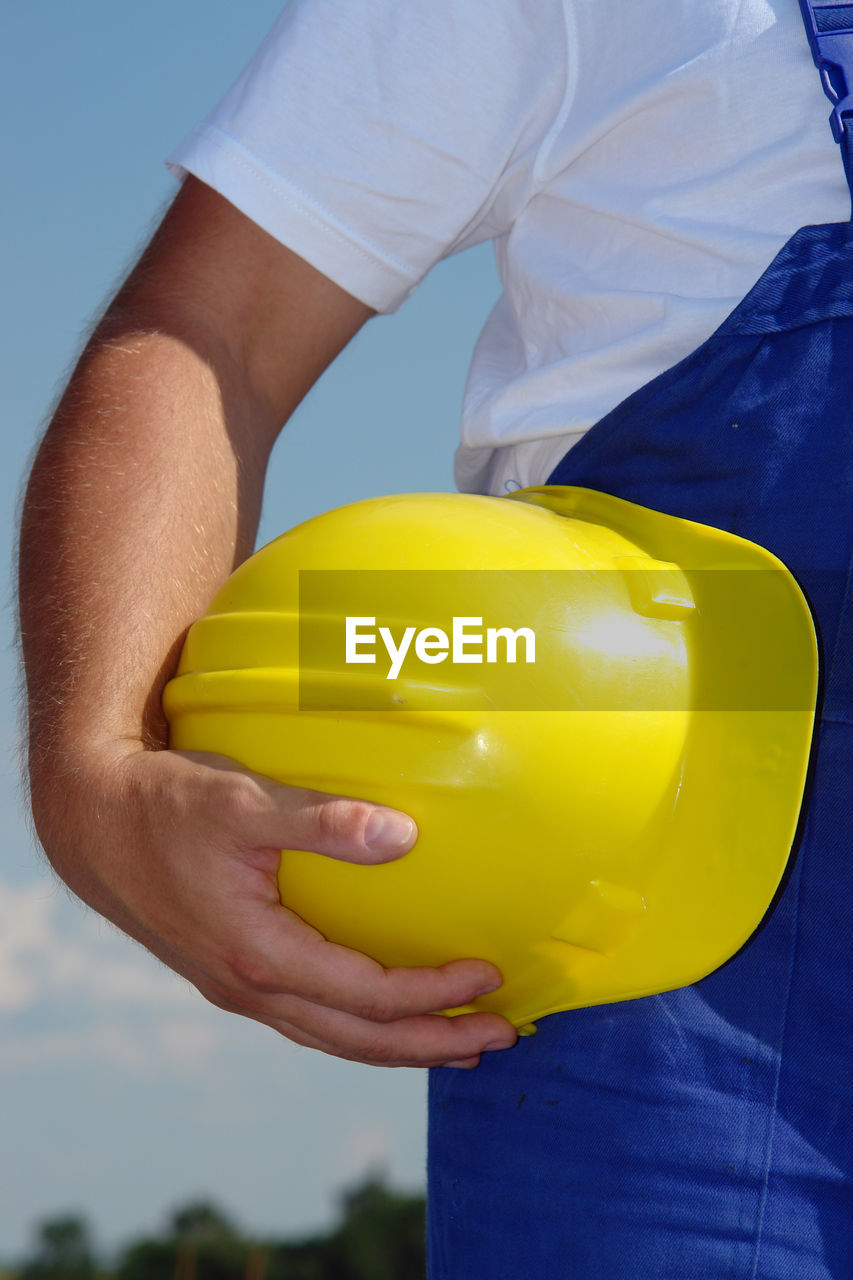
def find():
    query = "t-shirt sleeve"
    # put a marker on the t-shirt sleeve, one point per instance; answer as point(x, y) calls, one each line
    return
point(375, 137)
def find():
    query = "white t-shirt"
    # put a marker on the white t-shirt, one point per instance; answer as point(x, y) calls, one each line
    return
point(637, 163)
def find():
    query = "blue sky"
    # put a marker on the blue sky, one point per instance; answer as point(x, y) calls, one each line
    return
point(123, 1093)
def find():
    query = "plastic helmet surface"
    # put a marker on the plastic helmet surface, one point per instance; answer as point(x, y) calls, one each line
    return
point(606, 770)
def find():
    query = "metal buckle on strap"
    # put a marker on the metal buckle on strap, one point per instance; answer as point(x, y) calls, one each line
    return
point(829, 26)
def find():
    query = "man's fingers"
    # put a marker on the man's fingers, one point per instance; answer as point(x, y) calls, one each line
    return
point(419, 1040)
point(287, 955)
point(429, 1040)
point(263, 814)
point(354, 830)
point(344, 1003)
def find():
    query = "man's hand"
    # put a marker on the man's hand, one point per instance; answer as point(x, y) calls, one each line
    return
point(144, 496)
point(182, 853)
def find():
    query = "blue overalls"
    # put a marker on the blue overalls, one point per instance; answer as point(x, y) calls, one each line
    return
point(706, 1133)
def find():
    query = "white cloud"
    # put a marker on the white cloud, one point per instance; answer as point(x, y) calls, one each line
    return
point(52, 949)
point(25, 936)
point(74, 989)
point(190, 1044)
point(129, 1047)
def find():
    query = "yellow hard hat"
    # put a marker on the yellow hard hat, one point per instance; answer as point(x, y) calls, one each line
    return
point(598, 715)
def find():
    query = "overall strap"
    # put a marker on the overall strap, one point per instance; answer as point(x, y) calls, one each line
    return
point(829, 26)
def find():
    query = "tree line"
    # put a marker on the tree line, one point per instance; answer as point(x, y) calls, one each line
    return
point(379, 1236)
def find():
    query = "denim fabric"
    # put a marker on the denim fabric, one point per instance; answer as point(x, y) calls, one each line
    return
point(707, 1132)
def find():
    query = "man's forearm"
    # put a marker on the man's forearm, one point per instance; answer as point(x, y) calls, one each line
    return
point(145, 492)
